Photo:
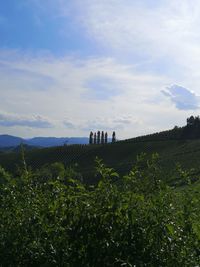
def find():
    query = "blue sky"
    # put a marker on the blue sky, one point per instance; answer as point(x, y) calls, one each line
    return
point(71, 66)
point(31, 26)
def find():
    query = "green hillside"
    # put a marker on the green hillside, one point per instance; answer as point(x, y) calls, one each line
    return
point(173, 147)
point(54, 215)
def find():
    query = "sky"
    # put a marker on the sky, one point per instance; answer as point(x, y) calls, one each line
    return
point(68, 67)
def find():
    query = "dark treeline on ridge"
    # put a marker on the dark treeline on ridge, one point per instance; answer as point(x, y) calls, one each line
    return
point(190, 131)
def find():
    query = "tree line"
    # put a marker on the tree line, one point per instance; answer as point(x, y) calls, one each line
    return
point(191, 121)
point(100, 138)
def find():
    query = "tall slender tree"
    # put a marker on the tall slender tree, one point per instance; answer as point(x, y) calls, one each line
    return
point(106, 138)
point(95, 138)
point(98, 137)
point(102, 137)
point(91, 138)
point(113, 137)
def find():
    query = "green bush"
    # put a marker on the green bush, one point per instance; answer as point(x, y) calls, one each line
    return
point(135, 220)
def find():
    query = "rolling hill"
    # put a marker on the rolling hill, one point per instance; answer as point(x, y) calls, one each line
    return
point(172, 146)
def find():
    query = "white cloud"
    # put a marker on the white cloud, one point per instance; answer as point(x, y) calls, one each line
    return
point(157, 36)
point(58, 89)
point(183, 98)
point(136, 26)
point(164, 32)
point(151, 44)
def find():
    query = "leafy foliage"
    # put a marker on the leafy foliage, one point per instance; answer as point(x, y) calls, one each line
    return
point(50, 218)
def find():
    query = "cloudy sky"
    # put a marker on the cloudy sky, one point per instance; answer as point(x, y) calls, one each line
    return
point(71, 66)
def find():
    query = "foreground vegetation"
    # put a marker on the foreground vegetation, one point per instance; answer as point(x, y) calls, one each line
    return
point(50, 218)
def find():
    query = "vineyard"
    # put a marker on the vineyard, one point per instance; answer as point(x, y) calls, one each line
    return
point(120, 155)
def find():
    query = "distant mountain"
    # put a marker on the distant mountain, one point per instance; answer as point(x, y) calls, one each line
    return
point(10, 141)
point(13, 141)
point(54, 141)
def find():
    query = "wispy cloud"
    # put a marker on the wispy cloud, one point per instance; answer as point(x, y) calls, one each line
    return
point(126, 120)
point(110, 123)
point(69, 124)
point(136, 25)
point(157, 36)
point(103, 88)
point(9, 120)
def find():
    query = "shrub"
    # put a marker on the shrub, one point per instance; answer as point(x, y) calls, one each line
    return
point(135, 220)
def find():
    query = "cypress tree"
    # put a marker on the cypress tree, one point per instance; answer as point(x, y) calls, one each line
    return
point(106, 138)
point(98, 137)
point(102, 137)
point(113, 137)
point(95, 138)
point(91, 138)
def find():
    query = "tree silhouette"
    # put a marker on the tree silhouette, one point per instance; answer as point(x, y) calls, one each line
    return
point(95, 138)
point(190, 120)
point(197, 121)
point(106, 138)
point(91, 138)
point(113, 137)
point(192, 129)
point(98, 137)
point(102, 137)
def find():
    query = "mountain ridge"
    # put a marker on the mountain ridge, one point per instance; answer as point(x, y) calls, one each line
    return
point(14, 141)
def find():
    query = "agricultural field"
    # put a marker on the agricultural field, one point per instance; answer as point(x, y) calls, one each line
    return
point(120, 155)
